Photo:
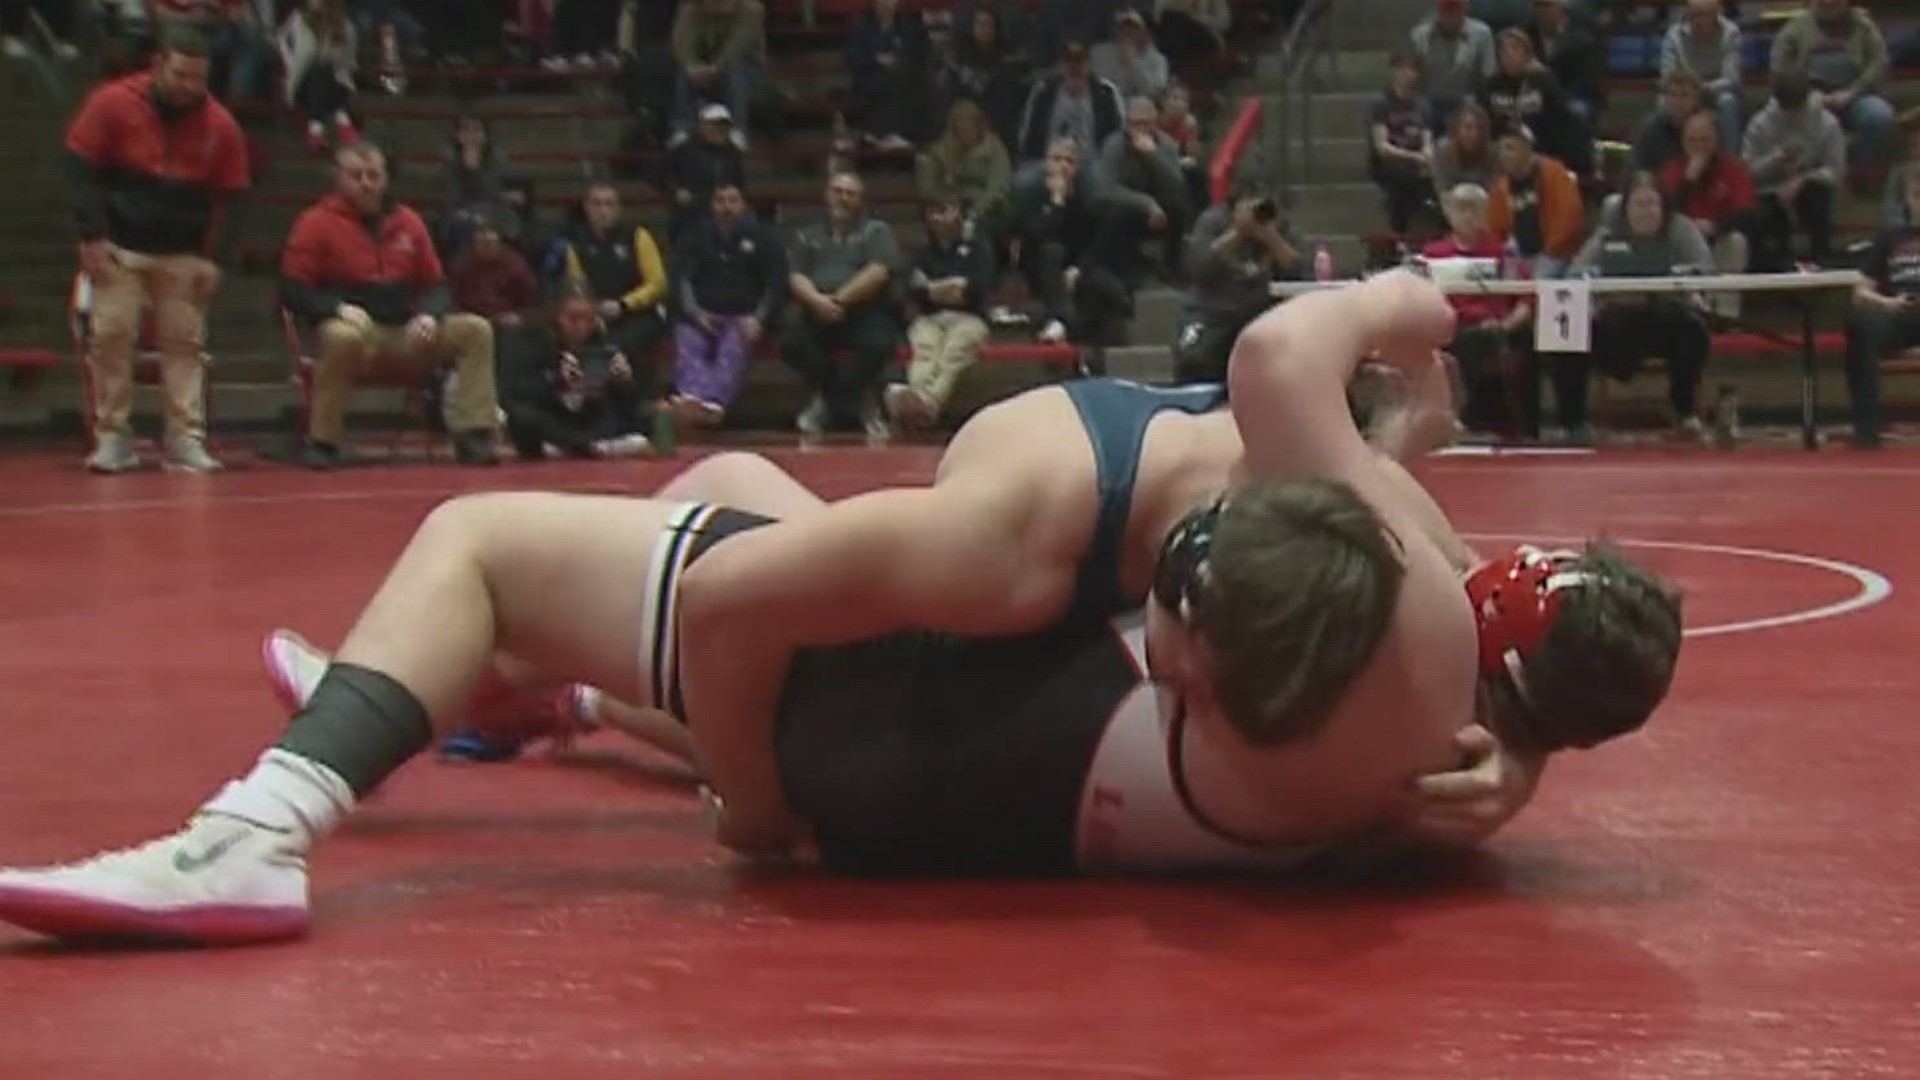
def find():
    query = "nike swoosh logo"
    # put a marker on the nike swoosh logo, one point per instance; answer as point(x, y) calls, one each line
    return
point(188, 863)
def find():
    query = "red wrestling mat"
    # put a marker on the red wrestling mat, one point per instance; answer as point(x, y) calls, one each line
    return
point(1730, 894)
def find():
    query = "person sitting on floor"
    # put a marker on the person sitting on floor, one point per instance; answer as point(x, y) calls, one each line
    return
point(571, 391)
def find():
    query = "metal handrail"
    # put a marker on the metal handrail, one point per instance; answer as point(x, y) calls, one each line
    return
point(1309, 42)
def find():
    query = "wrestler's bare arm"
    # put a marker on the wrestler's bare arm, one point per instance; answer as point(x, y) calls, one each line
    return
point(951, 558)
point(1290, 369)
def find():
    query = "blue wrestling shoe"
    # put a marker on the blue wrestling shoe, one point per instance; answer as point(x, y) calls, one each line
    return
point(471, 747)
point(511, 724)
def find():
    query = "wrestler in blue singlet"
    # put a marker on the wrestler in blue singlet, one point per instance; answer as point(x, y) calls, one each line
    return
point(1116, 413)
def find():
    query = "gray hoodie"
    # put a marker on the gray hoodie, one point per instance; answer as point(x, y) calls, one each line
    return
point(1807, 143)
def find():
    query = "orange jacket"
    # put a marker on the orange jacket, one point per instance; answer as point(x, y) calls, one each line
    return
point(1563, 216)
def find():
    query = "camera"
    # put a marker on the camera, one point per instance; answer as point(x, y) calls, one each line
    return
point(1266, 210)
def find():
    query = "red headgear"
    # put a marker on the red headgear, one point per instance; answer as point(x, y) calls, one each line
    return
point(1515, 600)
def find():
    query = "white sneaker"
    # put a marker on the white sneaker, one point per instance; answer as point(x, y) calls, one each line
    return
point(220, 881)
point(190, 456)
point(294, 665)
point(625, 446)
point(1054, 332)
point(114, 454)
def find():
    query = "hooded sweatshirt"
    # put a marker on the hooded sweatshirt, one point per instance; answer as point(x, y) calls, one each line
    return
point(1782, 146)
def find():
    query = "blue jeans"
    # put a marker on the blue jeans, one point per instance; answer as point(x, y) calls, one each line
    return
point(1871, 119)
point(734, 89)
point(244, 49)
point(370, 15)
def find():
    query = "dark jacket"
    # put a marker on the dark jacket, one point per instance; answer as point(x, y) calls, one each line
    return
point(968, 258)
point(385, 264)
point(1109, 116)
point(741, 274)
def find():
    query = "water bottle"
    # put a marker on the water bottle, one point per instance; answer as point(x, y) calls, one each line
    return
point(1322, 263)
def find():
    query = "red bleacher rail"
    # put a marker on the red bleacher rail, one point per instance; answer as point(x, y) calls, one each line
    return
point(1227, 157)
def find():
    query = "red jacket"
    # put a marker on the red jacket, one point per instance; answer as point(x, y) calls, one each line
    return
point(1724, 190)
point(149, 177)
point(385, 264)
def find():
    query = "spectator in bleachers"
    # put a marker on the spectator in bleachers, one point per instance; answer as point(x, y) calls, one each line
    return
point(890, 60)
point(691, 171)
point(840, 272)
point(1057, 24)
point(1071, 104)
point(1142, 188)
point(1576, 58)
point(238, 34)
point(1237, 250)
point(988, 65)
point(1893, 209)
point(1456, 57)
point(1131, 61)
point(1523, 93)
point(362, 269)
point(620, 263)
point(1466, 153)
point(474, 185)
point(1707, 45)
point(1713, 189)
point(730, 282)
point(492, 280)
point(1886, 315)
point(948, 284)
point(1192, 30)
point(1798, 155)
point(583, 33)
point(319, 51)
point(1400, 144)
point(1657, 140)
point(1646, 237)
point(1067, 251)
point(1493, 337)
point(1842, 53)
point(1537, 206)
point(1178, 123)
point(153, 163)
point(572, 389)
point(720, 47)
point(968, 165)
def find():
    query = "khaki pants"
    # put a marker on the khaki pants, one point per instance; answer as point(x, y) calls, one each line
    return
point(465, 341)
point(178, 288)
point(945, 344)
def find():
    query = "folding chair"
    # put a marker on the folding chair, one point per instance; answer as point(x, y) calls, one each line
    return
point(303, 365)
point(146, 356)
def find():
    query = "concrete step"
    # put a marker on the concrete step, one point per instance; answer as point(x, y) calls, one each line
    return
point(1345, 70)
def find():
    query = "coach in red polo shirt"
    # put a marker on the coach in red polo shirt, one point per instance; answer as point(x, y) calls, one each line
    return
point(154, 161)
point(362, 268)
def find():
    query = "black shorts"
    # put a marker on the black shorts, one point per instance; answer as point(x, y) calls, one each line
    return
point(691, 532)
point(919, 753)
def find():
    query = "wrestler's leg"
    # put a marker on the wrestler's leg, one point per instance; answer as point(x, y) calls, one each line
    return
point(740, 481)
point(556, 579)
point(544, 704)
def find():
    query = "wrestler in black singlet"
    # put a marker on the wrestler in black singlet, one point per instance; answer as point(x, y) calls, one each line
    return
point(925, 753)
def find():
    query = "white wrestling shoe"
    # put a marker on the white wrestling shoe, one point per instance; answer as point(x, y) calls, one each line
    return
point(222, 880)
point(294, 666)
